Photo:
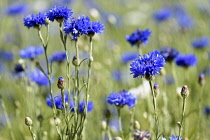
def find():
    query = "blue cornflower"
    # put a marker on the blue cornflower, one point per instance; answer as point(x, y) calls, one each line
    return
point(142, 135)
point(122, 98)
point(206, 110)
point(162, 14)
point(186, 60)
point(16, 8)
point(117, 75)
point(39, 78)
point(59, 14)
point(6, 55)
point(59, 103)
point(169, 53)
point(31, 52)
point(58, 57)
point(174, 138)
point(139, 37)
point(147, 65)
point(129, 56)
point(200, 43)
point(82, 26)
point(35, 20)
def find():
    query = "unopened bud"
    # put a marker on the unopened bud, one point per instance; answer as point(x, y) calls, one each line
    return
point(40, 118)
point(91, 59)
point(61, 83)
point(184, 91)
point(57, 121)
point(201, 79)
point(136, 125)
point(156, 89)
point(75, 61)
point(103, 125)
point(47, 21)
point(28, 121)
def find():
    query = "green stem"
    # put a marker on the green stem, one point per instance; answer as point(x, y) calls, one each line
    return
point(139, 49)
point(181, 124)
point(119, 120)
point(49, 80)
point(32, 133)
point(7, 120)
point(155, 109)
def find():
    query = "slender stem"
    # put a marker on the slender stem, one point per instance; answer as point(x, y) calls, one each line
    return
point(49, 80)
point(132, 112)
point(119, 119)
point(139, 49)
point(108, 130)
point(7, 120)
point(32, 133)
point(155, 109)
point(181, 124)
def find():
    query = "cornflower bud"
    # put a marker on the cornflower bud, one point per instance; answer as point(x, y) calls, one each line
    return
point(136, 125)
point(103, 125)
point(201, 79)
point(156, 89)
point(61, 83)
point(184, 91)
point(107, 114)
point(75, 61)
point(28, 121)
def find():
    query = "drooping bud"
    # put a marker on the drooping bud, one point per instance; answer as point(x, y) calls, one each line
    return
point(156, 89)
point(61, 83)
point(136, 125)
point(28, 121)
point(184, 91)
point(201, 79)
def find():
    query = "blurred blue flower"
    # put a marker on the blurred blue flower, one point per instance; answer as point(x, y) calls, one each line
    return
point(58, 57)
point(168, 79)
point(147, 65)
point(206, 110)
point(162, 14)
point(186, 60)
point(142, 135)
point(129, 56)
point(173, 137)
point(206, 71)
point(1, 68)
point(6, 56)
point(117, 75)
point(59, 13)
point(139, 37)
point(31, 52)
point(39, 78)
point(16, 8)
point(59, 103)
point(122, 98)
point(82, 26)
point(35, 20)
point(200, 43)
point(169, 53)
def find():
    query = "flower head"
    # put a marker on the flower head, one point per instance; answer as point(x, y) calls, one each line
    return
point(16, 8)
point(200, 43)
point(162, 14)
point(169, 53)
point(139, 37)
point(59, 13)
point(58, 57)
point(147, 65)
point(174, 138)
point(142, 135)
point(39, 78)
point(35, 20)
point(122, 98)
point(6, 56)
point(31, 52)
point(186, 60)
point(129, 56)
point(82, 105)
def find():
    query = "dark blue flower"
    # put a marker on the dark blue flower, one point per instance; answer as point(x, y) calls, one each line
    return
point(16, 8)
point(31, 52)
point(186, 60)
point(206, 110)
point(174, 138)
point(39, 78)
point(122, 98)
point(201, 42)
point(147, 65)
point(58, 57)
point(129, 56)
point(169, 53)
point(35, 20)
point(59, 13)
point(18, 68)
point(139, 37)
point(6, 55)
point(82, 26)
point(162, 14)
